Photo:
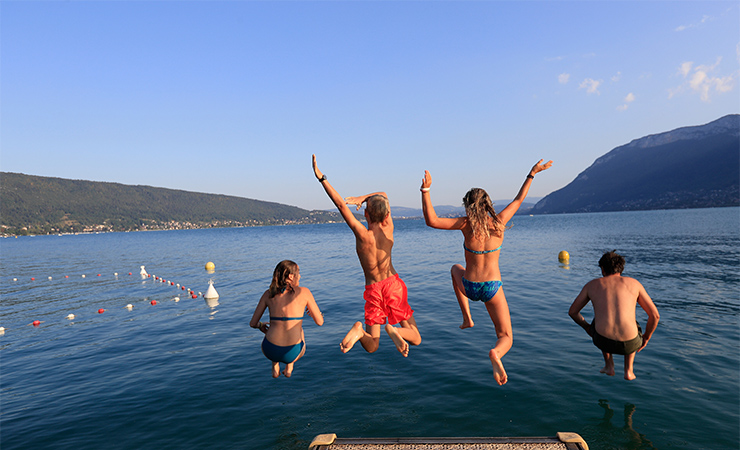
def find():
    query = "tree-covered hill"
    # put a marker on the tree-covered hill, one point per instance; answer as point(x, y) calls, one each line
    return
point(39, 205)
point(690, 167)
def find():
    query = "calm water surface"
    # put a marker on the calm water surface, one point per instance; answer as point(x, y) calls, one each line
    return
point(187, 374)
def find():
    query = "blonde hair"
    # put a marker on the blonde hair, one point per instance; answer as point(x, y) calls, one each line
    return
point(478, 207)
point(280, 276)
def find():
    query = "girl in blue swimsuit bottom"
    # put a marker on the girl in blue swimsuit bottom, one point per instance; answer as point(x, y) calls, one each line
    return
point(481, 291)
point(278, 353)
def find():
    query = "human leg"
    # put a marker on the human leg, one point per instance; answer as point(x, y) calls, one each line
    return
point(288, 371)
point(608, 364)
point(275, 370)
point(498, 309)
point(457, 272)
point(369, 338)
point(629, 361)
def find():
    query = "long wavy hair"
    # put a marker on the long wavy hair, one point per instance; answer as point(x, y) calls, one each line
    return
point(280, 277)
point(478, 207)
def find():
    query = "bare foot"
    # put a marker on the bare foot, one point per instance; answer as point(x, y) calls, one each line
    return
point(288, 370)
point(352, 337)
point(608, 370)
point(629, 376)
point(498, 368)
point(275, 370)
point(467, 324)
point(401, 345)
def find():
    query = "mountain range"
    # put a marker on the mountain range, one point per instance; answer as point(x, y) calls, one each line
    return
point(690, 167)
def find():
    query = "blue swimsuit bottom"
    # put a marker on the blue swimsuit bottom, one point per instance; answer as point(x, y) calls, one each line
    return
point(278, 353)
point(481, 291)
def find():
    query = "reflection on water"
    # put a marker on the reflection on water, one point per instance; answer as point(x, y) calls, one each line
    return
point(617, 435)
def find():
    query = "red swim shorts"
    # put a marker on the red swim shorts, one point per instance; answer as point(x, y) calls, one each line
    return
point(387, 298)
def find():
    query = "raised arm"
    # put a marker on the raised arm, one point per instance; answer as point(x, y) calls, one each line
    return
point(430, 216)
point(258, 311)
point(644, 300)
point(355, 225)
point(511, 209)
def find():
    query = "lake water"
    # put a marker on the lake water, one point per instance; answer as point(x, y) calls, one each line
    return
point(186, 375)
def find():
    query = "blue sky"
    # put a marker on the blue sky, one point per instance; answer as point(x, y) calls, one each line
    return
point(233, 97)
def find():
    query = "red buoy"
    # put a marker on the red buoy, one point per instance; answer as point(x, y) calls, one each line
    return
point(32, 278)
point(129, 273)
point(98, 274)
point(36, 323)
point(195, 295)
point(66, 276)
point(182, 287)
point(101, 311)
point(153, 302)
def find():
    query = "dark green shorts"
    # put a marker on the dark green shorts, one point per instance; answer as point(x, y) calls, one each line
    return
point(617, 347)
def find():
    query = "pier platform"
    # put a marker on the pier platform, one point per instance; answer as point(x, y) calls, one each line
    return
point(562, 441)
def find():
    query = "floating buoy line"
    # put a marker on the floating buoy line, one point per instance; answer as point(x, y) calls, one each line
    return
point(210, 293)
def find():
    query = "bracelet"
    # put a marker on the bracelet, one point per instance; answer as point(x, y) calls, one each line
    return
point(424, 189)
point(259, 325)
point(323, 178)
point(531, 177)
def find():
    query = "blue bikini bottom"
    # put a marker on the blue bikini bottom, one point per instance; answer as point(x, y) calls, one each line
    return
point(278, 353)
point(481, 291)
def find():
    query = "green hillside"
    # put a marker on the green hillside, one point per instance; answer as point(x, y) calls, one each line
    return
point(41, 205)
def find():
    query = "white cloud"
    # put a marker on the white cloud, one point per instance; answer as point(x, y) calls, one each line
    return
point(590, 85)
point(701, 80)
point(617, 77)
point(703, 20)
point(563, 78)
point(627, 100)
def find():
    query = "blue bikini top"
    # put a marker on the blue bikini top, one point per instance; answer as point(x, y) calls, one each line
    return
point(477, 252)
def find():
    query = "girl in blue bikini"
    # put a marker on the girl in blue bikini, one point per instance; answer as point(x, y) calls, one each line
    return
point(286, 301)
point(480, 278)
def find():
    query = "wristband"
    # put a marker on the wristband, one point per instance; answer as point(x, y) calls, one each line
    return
point(424, 189)
point(531, 177)
point(323, 178)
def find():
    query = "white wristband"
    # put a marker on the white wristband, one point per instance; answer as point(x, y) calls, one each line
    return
point(424, 189)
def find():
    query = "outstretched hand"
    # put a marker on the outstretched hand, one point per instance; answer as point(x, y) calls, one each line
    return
point(426, 182)
point(539, 167)
point(354, 201)
point(316, 170)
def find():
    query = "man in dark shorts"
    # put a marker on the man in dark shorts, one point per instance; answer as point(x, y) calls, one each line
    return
point(614, 329)
point(385, 293)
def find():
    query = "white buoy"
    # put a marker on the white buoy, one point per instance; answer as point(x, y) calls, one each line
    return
point(70, 316)
point(50, 278)
point(211, 292)
point(83, 276)
point(2, 330)
point(129, 306)
point(176, 299)
point(143, 273)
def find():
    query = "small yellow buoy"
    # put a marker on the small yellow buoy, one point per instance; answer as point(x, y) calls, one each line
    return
point(563, 257)
point(210, 266)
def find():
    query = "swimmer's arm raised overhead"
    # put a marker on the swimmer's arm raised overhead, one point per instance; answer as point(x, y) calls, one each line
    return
point(511, 209)
point(430, 216)
point(575, 309)
point(355, 225)
point(258, 311)
point(644, 300)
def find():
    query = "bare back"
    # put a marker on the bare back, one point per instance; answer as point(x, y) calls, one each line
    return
point(288, 305)
point(374, 246)
point(614, 300)
point(482, 267)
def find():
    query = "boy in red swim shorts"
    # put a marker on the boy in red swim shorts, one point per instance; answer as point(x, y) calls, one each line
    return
point(385, 293)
